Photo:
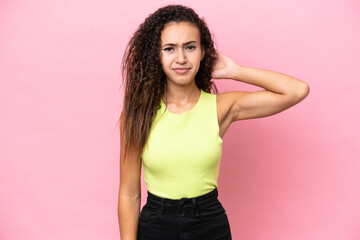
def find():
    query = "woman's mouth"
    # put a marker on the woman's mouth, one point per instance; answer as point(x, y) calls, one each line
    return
point(181, 70)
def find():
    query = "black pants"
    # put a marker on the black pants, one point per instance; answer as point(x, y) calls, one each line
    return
point(200, 218)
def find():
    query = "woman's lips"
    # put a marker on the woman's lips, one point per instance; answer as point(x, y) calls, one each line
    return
point(181, 70)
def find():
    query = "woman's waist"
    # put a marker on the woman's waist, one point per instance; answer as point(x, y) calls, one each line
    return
point(183, 203)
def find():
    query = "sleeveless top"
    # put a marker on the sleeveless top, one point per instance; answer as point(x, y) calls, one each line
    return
point(181, 157)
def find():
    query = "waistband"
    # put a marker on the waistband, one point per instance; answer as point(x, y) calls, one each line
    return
point(213, 194)
point(183, 205)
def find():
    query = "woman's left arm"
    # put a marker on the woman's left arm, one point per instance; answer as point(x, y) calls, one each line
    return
point(280, 92)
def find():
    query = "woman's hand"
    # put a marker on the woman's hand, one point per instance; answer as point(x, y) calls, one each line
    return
point(224, 67)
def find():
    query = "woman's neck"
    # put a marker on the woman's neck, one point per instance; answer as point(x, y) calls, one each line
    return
point(181, 95)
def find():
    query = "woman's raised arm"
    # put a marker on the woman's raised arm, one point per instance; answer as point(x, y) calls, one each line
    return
point(281, 91)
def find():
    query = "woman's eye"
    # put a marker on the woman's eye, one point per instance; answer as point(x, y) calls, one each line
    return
point(168, 49)
point(191, 47)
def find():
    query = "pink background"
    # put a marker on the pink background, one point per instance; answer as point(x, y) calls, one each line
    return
point(293, 176)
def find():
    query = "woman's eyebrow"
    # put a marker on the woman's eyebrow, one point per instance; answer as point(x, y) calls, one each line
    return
point(173, 44)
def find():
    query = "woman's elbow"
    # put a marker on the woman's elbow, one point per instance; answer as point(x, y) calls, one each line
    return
point(301, 92)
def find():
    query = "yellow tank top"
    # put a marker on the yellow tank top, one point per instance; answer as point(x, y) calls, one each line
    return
point(182, 155)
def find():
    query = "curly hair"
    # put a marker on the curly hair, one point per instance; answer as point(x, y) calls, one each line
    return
point(143, 75)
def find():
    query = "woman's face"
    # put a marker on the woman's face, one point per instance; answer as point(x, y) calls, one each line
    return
point(181, 52)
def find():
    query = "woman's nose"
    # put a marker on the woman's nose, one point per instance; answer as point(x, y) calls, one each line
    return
point(180, 57)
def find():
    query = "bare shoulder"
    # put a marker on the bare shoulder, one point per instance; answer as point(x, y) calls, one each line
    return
point(228, 98)
point(225, 103)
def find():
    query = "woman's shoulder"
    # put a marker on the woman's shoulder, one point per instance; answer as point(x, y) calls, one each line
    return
point(227, 99)
point(225, 102)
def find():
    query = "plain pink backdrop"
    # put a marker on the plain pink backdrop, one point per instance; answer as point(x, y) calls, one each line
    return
point(293, 176)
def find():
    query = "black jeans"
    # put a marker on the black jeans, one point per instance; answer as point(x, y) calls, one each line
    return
point(200, 218)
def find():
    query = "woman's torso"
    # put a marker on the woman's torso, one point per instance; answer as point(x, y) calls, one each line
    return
point(183, 152)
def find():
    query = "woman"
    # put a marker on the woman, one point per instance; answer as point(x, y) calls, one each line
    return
point(173, 125)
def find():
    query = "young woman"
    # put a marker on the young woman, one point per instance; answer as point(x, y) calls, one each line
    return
point(173, 125)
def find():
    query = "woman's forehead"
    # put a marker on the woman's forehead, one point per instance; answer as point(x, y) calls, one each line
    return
point(181, 32)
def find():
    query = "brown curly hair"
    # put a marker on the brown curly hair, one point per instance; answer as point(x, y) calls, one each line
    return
point(144, 78)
